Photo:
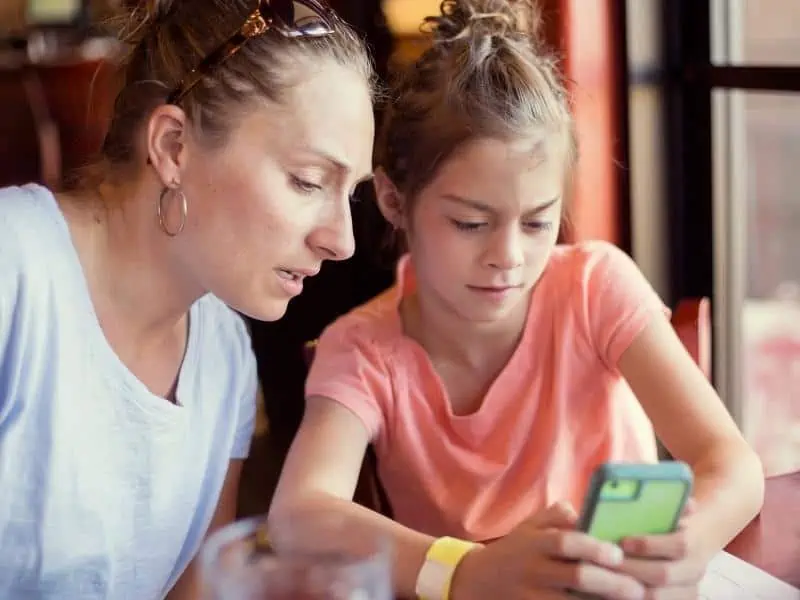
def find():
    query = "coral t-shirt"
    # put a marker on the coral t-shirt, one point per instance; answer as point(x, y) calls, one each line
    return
point(556, 410)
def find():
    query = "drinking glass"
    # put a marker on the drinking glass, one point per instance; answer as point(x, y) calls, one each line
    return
point(315, 558)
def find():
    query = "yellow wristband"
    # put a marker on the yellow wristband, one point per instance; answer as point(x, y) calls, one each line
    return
point(441, 560)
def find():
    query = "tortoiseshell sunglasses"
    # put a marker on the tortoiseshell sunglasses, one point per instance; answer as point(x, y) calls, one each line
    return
point(290, 18)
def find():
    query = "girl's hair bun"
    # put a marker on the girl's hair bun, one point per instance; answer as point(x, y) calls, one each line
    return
point(474, 19)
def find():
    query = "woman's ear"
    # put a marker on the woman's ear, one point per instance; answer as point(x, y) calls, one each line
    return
point(390, 200)
point(166, 142)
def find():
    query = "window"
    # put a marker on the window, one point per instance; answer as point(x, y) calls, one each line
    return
point(729, 80)
point(756, 153)
point(760, 32)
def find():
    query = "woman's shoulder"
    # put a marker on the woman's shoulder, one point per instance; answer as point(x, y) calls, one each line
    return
point(35, 245)
point(31, 205)
point(33, 228)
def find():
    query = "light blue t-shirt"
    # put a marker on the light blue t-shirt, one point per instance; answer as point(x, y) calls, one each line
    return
point(106, 491)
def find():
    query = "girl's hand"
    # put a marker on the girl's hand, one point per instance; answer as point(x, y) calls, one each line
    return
point(669, 566)
point(544, 558)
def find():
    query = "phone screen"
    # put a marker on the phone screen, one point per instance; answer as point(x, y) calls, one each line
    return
point(625, 507)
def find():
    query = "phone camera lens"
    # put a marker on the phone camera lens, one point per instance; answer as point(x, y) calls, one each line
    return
point(614, 484)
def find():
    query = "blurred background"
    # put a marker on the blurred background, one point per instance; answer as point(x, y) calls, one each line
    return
point(688, 115)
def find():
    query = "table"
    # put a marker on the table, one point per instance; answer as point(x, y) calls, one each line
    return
point(771, 541)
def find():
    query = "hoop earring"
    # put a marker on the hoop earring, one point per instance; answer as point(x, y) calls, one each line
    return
point(160, 211)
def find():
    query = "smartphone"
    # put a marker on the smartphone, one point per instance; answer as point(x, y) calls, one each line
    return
point(630, 499)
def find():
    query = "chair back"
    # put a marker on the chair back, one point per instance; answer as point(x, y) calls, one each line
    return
point(692, 322)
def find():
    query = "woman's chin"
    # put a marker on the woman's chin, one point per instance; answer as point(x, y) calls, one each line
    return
point(268, 309)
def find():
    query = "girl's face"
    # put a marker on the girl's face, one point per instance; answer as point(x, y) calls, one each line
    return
point(481, 233)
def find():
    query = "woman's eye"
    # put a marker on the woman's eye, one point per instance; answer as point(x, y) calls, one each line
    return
point(303, 186)
point(467, 225)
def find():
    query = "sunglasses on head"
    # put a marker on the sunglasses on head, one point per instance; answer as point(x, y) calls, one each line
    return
point(290, 18)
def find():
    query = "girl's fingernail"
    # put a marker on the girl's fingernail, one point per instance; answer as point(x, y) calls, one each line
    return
point(629, 545)
point(615, 555)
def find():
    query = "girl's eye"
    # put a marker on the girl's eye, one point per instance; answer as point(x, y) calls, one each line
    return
point(303, 186)
point(467, 225)
point(539, 226)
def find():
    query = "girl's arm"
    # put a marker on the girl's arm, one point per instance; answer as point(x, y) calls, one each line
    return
point(543, 557)
point(692, 422)
point(320, 474)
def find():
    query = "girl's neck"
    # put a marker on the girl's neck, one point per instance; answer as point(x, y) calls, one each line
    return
point(446, 336)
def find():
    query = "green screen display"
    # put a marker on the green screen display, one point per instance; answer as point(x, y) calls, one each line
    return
point(629, 507)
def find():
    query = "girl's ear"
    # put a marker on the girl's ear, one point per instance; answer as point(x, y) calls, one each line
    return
point(390, 201)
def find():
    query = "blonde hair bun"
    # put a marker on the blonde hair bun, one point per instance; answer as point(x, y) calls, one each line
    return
point(471, 20)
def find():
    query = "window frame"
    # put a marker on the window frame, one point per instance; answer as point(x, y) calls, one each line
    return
point(706, 242)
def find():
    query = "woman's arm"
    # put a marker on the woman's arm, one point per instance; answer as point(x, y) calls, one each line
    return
point(693, 424)
point(188, 586)
point(321, 472)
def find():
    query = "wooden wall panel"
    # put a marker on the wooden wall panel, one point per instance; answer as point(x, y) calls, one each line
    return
point(77, 99)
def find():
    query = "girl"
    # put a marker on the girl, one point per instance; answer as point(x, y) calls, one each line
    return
point(502, 368)
point(127, 386)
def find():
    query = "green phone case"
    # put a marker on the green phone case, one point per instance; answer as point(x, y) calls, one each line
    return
point(627, 500)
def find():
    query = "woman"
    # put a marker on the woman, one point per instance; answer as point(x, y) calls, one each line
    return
point(127, 384)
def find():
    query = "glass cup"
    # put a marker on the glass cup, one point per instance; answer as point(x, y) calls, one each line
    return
point(317, 558)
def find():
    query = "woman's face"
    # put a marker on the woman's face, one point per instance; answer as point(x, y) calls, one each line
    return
point(268, 207)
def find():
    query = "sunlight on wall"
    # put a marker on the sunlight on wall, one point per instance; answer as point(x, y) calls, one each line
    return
point(405, 16)
point(52, 11)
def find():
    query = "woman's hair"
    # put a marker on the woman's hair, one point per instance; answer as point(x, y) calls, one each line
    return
point(169, 38)
point(486, 74)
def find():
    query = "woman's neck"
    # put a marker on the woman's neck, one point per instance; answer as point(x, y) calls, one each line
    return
point(129, 263)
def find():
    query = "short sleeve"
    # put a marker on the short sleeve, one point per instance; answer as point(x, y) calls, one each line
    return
point(247, 405)
point(348, 368)
point(11, 286)
point(617, 301)
point(9, 283)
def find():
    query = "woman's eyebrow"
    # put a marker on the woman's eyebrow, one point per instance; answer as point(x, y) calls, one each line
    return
point(339, 164)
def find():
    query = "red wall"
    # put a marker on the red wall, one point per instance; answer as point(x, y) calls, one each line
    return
point(583, 33)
